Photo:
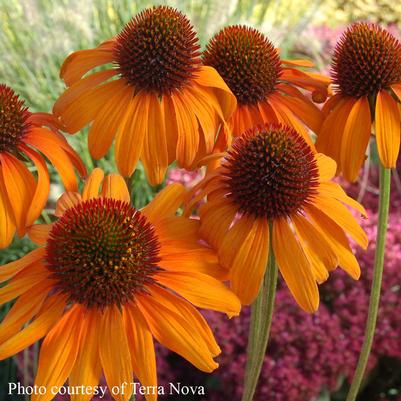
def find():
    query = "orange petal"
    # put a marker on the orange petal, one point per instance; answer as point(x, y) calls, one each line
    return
point(294, 266)
point(155, 151)
point(20, 186)
point(355, 140)
point(87, 368)
point(336, 239)
point(387, 129)
point(58, 352)
point(114, 187)
point(81, 61)
point(24, 309)
point(57, 156)
point(201, 290)
point(298, 63)
point(7, 222)
point(85, 108)
point(311, 238)
point(80, 88)
point(183, 333)
point(11, 269)
point(165, 203)
point(334, 190)
point(327, 167)
point(67, 200)
point(129, 143)
point(337, 212)
point(23, 281)
point(42, 189)
point(50, 313)
point(188, 132)
point(221, 211)
point(39, 233)
point(330, 135)
point(140, 342)
point(114, 351)
point(249, 265)
point(108, 121)
point(305, 110)
point(209, 77)
point(93, 184)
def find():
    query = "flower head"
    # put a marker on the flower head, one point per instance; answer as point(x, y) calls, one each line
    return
point(272, 179)
point(366, 74)
point(105, 280)
point(163, 106)
point(22, 139)
point(266, 87)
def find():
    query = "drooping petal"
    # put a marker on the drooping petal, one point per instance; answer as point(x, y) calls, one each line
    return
point(7, 222)
point(165, 203)
point(87, 368)
point(330, 135)
point(355, 140)
point(188, 133)
point(50, 313)
point(387, 129)
point(24, 309)
point(209, 77)
point(81, 61)
point(294, 266)
point(20, 187)
point(327, 167)
point(181, 333)
point(23, 281)
point(201, 290)
point(58, 352)
point(140, 341)
point(114, 351)
point(107, 122)
point(11, 269)
point(129, 143)
point(337, 212)
point(249, 264)
point(155, 150)
point(42, 189)
point(336, 239)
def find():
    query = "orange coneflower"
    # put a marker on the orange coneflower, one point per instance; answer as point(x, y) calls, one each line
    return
point(266, 87)
point(105, 280)
point(366, 72)
point(272, 176)
point(23, 138)
point(163, 106)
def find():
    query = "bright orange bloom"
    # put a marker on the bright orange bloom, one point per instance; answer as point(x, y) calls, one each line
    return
point(24, 138)
point(272, 176)
point(366, 72)
point(266, 87)
point(163, 106)
point(105, 280)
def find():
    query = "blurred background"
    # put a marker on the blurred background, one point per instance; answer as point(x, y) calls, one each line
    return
point(310, 357)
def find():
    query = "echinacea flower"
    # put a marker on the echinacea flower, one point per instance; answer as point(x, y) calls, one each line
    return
point(266, 86)
point(106, 279)
point(163, 106)
point(24, 138)
point(366, 72)
point(271, 176)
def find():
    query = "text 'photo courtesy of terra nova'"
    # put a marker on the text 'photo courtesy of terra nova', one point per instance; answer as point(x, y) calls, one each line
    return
point(200, 200)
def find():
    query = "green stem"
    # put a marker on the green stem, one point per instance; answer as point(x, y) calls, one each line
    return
point(384, 202)
point(261, 318)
